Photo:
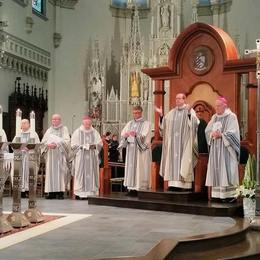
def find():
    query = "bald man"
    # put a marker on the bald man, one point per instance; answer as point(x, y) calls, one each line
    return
point(223, 137)
point(56, 145)
point(179, 151)
point(3, 136)
point(86, 143)
point(26, 135)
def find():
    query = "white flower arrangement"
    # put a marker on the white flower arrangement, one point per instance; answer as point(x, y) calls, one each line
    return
point(247, 189)
point(241, 191)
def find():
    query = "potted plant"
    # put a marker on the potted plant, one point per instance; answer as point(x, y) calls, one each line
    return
point(247, 189)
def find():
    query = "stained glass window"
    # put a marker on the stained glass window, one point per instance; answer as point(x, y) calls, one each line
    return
point(143, 4)
point(37, 6)
point(204, 2)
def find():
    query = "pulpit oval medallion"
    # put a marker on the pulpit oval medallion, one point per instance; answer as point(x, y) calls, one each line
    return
point(201, 60)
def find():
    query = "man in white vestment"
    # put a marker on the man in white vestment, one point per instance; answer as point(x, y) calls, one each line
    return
point(86, 144)
point(56, 144)
point(26, 135)
point(136, 137)
point(4, 148)
point(223, 137)
point(8, 164)
point(179, 150)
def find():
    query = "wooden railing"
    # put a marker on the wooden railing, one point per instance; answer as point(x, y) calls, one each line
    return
point(105, 172)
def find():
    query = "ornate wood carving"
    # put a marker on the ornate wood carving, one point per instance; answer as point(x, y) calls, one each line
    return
point(205, 56)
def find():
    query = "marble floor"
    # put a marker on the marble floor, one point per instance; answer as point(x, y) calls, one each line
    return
point(101, 231)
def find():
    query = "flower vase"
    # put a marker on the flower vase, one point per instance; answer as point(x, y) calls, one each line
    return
point(249, 206)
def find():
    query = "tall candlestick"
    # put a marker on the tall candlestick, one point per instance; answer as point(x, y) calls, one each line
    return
point(1, 120)
point(32, 123)
point(18, 123)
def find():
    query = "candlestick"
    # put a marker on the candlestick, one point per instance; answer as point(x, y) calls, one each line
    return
point(18, 123)
point(32, 122)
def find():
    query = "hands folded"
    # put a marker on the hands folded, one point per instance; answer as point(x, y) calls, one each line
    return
point(216, 134)
point(130, 133)
point(52, 145)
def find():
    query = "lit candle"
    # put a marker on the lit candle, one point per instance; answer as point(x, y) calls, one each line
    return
point(18, 123)
point(32, 123)
point(1, 120)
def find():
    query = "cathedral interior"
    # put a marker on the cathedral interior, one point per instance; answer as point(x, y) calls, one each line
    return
point(101, 58)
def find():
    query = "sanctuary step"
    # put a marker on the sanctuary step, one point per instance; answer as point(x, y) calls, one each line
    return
point(237, 242)
point(170, 203)
point(172, 196)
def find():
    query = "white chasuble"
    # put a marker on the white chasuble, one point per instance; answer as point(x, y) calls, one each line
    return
point(86, 145)
point(57, 159)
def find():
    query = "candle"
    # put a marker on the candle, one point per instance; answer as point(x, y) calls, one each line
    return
point(1, 120)
point(18, 123)
point(32, 123)
point(152, 21)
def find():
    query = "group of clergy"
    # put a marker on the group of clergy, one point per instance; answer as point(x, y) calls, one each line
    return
point(180, 150)
point(79, 155)
point(82, 150)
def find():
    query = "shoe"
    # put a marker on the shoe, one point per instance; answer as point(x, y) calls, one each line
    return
point(50, 196)
point(84, 198)
point(23, 194)
point(171, 188)
point(132, 193)
point(60, 195)
point(229, 200)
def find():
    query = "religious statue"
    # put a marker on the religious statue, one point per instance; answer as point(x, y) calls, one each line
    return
point(95, 98)
point(165, 16)
point(135, 84)
point(146, 89)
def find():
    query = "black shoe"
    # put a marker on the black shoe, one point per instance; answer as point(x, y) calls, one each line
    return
point(171, 188)
point(229, 200)
point(77, 197)
point(50, 196)
point(132, 193)
point(60, 195)
point(23, 194)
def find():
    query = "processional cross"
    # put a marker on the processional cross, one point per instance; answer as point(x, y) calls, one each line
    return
point(257, 52)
